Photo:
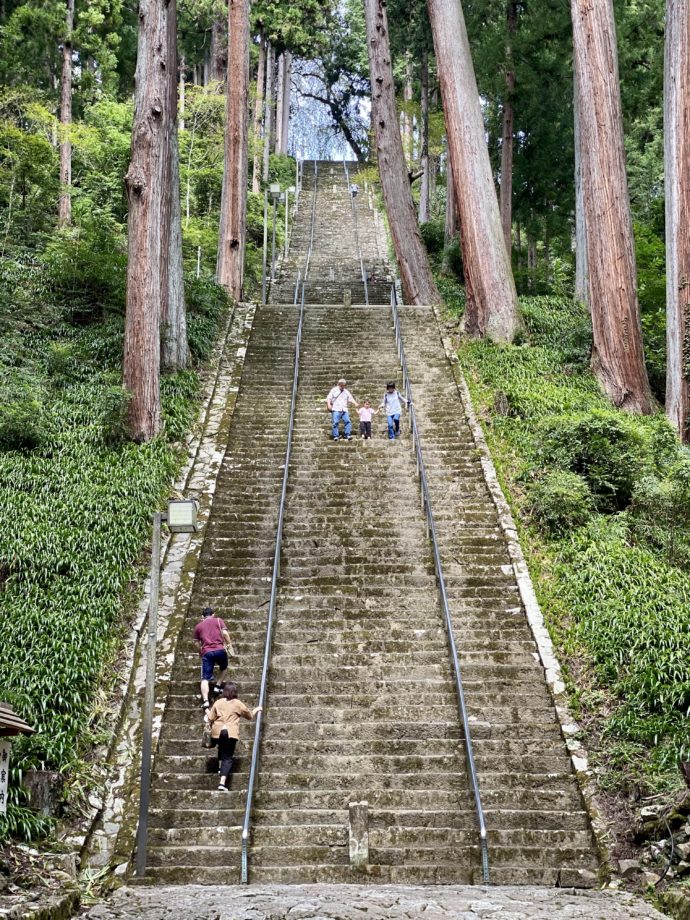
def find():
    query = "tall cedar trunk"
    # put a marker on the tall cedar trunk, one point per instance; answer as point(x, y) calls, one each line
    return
point(677, 161)
point(617, 353)
point(285, 108)
point(233, 218)
point(424, 189)
point(174, 345)
point(418, 283)
point(268, 105)
point(581, 279)
point(146, 198)
point(280, 88)
point(218, 50)
point(65, 203)
point(451, 226)
point(408, 123)
point(506, 203)
point(258, 111)
point(491, 298)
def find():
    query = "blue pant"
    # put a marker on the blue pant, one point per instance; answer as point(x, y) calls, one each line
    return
point(393, 425)
point(344, 417)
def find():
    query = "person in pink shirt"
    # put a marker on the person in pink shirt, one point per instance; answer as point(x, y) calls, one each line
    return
point(366, 414)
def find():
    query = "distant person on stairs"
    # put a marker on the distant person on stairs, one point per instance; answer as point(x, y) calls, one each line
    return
point(211, 635)
point(337, 401)
point(224, 716)
point(392, 403)
point(365, 415)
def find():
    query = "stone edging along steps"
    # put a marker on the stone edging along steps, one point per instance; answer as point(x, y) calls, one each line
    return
point(549, 660)
point(109, 827)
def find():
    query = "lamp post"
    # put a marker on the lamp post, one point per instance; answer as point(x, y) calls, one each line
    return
point(275, 195)
point(288, 192)
point(181, 517)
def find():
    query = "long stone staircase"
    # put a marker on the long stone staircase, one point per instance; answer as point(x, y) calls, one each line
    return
point(361, 704)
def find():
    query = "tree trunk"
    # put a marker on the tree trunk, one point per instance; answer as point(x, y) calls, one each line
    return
point(677, 183)
point(491, 298)
point(617, 353)
point(424, 190)
point(174, 344)
point(268, 105)
point(417, 280)
point(233, 218)
point(506, 203)
point(146, 194)
point(581, 279)
point(285, 108)
point(408, 132)
point(258, 111)
point(279, 104)
point(218, 50)
point(65, 203)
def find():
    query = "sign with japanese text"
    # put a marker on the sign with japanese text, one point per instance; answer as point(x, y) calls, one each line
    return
point(4, 773)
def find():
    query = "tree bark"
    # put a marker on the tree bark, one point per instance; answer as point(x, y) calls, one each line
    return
point(174, 344)
point(258, 111)
point(677, 186)
point(424, 190)
point(491, 298)
point(233, 218)
point(285, 107)
point(65, 202)
point(617, 352)
point(417, 280)
point(268, 105)
point(146, 193)
point(581, 278)
point(506, 202)
point(218, 50)
point(408, 124)
point(280, 83)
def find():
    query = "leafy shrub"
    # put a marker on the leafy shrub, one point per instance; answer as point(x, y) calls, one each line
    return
point(179, 393)
point(452, 259)
point(660, 512)
point(87, 269)
point(604, 447)
point(561, 501)
point(558, 323)
point(433, 234)
point(22, 418)
point(207, 303)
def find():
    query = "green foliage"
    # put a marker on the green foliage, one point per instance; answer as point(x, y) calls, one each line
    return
point(631, 612)
point(616, 589)
point(433, 235)
point(560, 501)
point(651, 283)
point(606, 448)
point(207, 303)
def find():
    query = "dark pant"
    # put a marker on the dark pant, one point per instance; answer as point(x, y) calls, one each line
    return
point(226, 748)
point(365, 429)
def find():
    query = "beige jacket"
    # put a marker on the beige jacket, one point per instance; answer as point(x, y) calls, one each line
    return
point(227, 714)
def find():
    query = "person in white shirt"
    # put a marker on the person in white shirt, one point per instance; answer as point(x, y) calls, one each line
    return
point(392, 403)
point(337, 401)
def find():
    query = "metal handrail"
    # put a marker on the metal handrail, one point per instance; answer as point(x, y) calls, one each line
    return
point(431, 531)
point(254, 769)
point(354, 221)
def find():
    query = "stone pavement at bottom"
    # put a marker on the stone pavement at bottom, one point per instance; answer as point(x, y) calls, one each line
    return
point(370, 902)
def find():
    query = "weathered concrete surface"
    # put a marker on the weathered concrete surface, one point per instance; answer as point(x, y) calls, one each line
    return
point(385, 902)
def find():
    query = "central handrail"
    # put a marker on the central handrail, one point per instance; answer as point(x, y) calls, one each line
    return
point(254, 769)
point(431, 530)
point(354, 221)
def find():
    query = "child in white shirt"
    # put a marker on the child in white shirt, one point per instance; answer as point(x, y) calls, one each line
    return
point(365, 415)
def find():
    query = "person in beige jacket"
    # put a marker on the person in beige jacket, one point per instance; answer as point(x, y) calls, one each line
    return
point(224, 718)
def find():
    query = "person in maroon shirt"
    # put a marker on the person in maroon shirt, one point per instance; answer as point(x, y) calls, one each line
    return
point(211, 634)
